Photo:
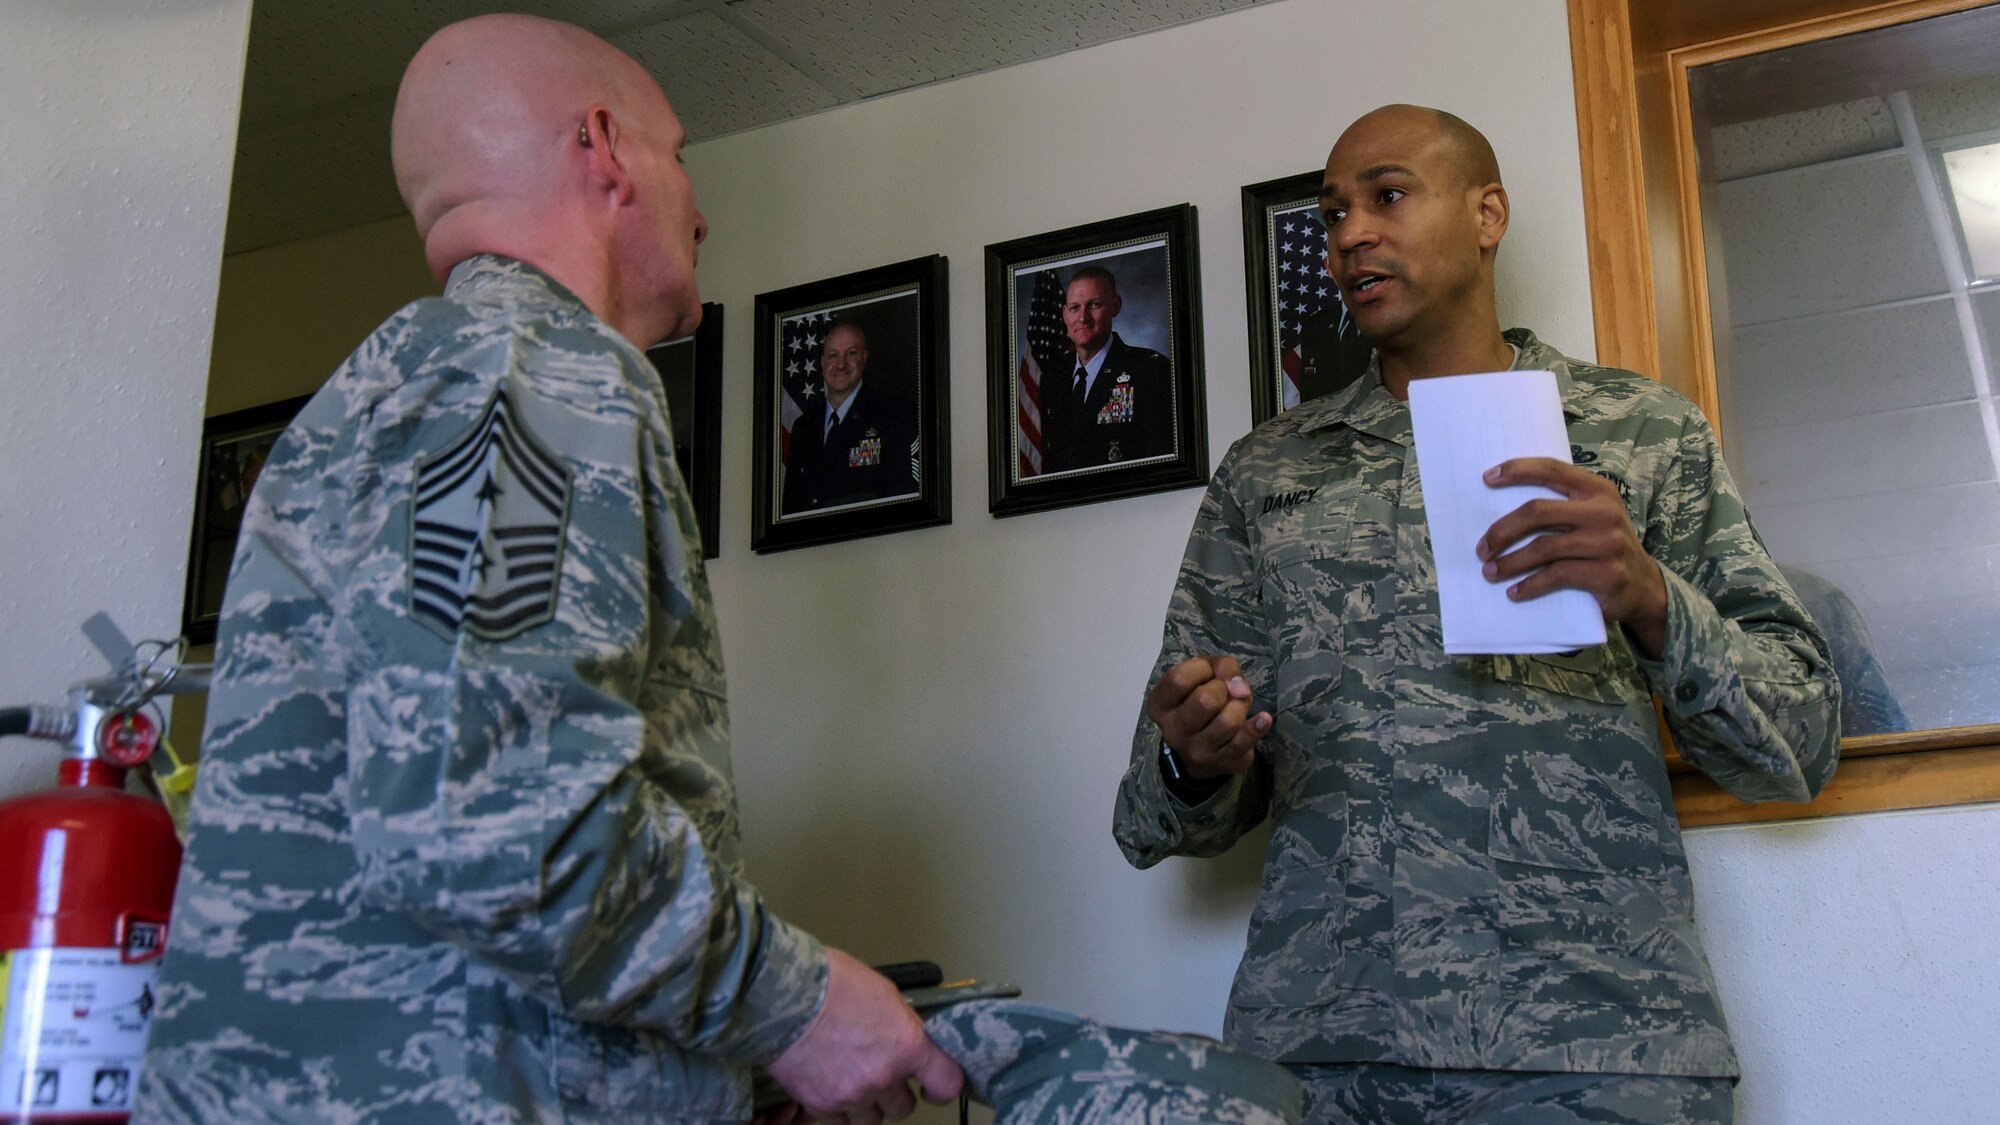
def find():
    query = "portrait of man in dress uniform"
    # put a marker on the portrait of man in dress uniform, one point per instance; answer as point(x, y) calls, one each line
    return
point(856, 442)
point(1111, 401)
point(1094, 363)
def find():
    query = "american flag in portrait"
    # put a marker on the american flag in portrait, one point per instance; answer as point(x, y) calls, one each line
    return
point(1298, 267)
point(1048, 350)
point(803, 383)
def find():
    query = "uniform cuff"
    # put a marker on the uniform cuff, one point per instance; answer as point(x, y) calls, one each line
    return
point(786, 995)
point(1686, 677)
point(1207, 806)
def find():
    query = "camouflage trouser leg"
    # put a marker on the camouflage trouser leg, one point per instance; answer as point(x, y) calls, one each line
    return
point(1381, 1094)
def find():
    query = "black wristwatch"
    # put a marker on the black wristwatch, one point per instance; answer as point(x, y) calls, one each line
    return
point(1181, 784)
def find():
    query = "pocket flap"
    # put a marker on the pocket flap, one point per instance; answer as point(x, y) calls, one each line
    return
point(1602, 673)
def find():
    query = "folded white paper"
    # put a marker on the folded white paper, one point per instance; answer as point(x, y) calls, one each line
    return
point(1465, 425)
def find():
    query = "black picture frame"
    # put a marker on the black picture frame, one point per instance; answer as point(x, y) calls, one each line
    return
point(902, 310)
point(1302, 343)
point(234, 447)
point(691, 373)
point(1161, 282)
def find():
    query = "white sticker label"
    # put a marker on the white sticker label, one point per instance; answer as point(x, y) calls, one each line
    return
point(72, 1030)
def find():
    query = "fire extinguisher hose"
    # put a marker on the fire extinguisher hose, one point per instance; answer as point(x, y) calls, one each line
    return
point(53, 723)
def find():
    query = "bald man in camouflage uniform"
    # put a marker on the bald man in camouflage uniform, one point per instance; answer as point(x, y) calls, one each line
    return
point(464, 844)
point(1475, 904)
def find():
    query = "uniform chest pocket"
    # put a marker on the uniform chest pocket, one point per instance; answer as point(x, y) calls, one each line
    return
point(1328, 564)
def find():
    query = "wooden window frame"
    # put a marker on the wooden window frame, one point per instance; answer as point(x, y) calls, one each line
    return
point(1649, 289)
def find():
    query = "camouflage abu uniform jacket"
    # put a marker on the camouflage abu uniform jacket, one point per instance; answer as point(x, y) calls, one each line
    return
point(464, 840)
point(1475, 862)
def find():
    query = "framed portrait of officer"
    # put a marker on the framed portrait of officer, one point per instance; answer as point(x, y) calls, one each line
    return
point(1094, 370)
point(691, 373)
point(851, 407)
point(1303, 345)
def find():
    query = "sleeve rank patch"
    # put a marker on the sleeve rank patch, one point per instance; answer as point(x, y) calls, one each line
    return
point(487, 530)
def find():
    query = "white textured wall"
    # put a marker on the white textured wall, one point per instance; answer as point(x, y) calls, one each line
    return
point(1859, 965)
point(117, 126)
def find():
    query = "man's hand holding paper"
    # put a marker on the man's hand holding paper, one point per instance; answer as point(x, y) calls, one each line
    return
point(1465, 425)
point(1584, 542)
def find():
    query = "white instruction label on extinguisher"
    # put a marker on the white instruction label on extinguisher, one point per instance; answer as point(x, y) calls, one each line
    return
point(72, 1030)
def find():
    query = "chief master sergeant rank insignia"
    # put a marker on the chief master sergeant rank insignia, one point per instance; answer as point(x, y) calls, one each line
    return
point(487, 530)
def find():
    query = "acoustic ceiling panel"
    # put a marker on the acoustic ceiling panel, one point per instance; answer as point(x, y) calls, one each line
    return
point(306, 54)
point(324, 174)
point(719, 79)
point(876, 46)
point(1809, 136)
point(1957, 108)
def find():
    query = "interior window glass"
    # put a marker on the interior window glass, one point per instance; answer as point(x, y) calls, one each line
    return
point(1850, 194)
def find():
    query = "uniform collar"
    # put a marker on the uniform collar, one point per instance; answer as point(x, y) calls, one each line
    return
point(847, 406)
point(496, 283)
point(1366, 405)
point(1096, 365)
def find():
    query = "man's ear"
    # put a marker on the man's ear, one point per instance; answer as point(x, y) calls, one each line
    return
point(598, 137)
point(1492, 211)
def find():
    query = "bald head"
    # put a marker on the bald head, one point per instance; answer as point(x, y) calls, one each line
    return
point(1464, 150)
point(536, 140)
point(1415, 213)
point(843, 360)
point(487, 104)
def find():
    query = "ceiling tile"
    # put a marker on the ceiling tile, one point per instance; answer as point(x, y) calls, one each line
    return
point(305, 54)
point(1953, 109)
point(718, 78)
point(1809, 136)
point(1791, 241)
point(875, 46)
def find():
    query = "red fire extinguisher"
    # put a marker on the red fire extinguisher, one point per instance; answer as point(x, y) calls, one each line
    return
point(87, 875)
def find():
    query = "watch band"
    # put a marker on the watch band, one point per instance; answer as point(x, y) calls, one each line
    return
point(1179, 782)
